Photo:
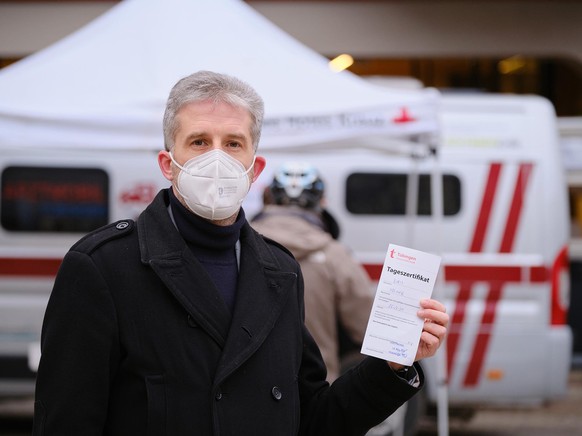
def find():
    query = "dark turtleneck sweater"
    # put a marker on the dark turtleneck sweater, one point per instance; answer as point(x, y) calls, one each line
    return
point(212, 245)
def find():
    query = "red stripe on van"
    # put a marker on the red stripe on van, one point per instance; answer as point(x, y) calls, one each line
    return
point(484, 335)
point(457, 320)
point(27, 267)
point(485, 212)
point(374, 270)
point(561, 266)
point(481, 273)
point(495, 274)
point(496, 287)
point(515, 208)
point(483, 219)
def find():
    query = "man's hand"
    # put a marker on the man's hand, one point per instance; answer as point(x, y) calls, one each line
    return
point(434, 330)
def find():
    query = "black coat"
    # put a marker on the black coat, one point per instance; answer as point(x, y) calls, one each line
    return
point(137, 341)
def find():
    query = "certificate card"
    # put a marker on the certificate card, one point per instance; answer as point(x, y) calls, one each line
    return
point(394, 328)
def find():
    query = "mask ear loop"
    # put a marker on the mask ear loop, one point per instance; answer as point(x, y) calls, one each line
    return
point(176, 163)
point(176, 185)
point(252, 165)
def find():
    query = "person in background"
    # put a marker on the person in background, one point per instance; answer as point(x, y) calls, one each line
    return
point(338, 292)
point(188, 322)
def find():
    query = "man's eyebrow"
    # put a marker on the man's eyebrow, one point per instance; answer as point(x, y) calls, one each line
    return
point(230, 136)
point(193, 135)
point(237, 136)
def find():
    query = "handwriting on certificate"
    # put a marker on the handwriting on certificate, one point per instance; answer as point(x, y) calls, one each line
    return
point(394, 328)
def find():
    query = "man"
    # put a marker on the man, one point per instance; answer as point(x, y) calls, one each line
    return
point(188, 322)
point(338, 293)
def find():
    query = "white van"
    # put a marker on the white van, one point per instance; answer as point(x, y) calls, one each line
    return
point(48, 200)
point(503, 235)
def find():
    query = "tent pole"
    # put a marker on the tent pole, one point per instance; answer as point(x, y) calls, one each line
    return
point(437, 200)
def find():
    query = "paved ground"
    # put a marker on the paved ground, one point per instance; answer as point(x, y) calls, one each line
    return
point(560, 418)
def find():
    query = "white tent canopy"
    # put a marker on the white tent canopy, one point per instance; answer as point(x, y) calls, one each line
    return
point(105, 85)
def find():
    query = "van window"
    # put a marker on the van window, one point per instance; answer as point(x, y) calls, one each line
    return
point(385, 194)
point(54, 199)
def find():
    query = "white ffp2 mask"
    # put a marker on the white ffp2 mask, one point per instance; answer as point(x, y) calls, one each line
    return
point(214, 184)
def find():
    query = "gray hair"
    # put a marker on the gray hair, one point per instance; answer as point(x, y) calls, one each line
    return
point(219, 88)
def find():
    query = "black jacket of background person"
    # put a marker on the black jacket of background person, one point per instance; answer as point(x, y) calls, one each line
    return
point(137, 341)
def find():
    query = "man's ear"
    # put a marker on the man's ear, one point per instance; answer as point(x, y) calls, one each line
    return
point(260, 163)
point(165, 163)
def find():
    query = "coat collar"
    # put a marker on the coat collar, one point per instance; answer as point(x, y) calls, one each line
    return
point(261, 292)
point(165, 251)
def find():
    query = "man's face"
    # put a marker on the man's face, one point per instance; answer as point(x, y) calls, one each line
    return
point(206, 126)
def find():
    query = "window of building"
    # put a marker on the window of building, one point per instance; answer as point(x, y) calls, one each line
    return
point(50, 199)
point(558, 79)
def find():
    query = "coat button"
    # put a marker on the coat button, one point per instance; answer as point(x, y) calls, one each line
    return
point(218, 396)
point(276, 393)
point(122, 225)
